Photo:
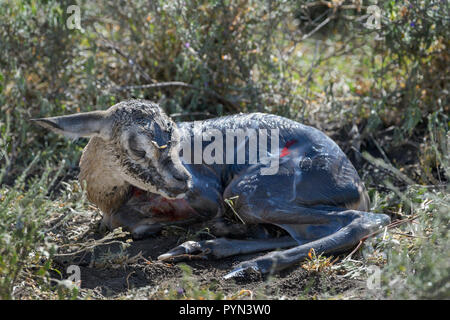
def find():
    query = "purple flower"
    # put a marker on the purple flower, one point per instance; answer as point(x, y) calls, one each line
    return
point(412, 24)
point(187, 45)
point(180, 291)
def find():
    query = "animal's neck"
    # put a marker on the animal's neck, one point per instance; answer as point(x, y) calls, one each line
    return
point(104, 185)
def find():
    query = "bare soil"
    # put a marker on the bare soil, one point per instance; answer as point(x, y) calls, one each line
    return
point(112, 272)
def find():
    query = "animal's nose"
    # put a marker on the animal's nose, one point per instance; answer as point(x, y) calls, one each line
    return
point(184, 181)
point(180, 189)
point(181, 176)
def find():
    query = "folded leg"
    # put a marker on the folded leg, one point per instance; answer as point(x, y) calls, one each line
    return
point(139, 224)
point(362, 224)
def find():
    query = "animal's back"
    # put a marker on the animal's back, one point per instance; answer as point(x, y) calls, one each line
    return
point(288, 129)
point(290, 132)
point(320, 168)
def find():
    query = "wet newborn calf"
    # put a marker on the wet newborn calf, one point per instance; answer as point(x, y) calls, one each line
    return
point(144, 171)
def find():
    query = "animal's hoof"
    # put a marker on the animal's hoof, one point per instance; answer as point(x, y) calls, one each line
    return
point(102, 228)
point(242, 272)
point(145, 231)
point(253, 268)
point(189, 250)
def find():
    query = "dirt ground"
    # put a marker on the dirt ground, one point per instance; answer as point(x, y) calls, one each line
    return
point(113, 272)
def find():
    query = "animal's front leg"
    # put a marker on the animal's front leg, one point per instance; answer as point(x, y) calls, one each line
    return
point(222, 248)
point(362, 224)
point(145, 214)
point(130, 219)
point(141, 226)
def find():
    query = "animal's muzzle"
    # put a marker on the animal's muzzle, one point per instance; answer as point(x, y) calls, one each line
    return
point(178, 180)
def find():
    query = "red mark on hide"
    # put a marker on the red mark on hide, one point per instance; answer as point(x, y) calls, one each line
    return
point(285, 150)
point(159, 208)
point(137, 192)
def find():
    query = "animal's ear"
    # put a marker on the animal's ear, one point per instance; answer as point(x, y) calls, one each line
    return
point(87, 124)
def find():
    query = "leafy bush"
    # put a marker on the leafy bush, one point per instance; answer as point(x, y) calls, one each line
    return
point(417, 40)
point(419, 267)
point(23, 209)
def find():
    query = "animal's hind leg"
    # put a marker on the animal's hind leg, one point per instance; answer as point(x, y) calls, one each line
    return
point(361, 224)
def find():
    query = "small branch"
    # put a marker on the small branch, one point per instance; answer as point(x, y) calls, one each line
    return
point(130, 61)
point(389, 226)
point(387, 166)
point(182, 85)
point(331, 4)
point(156, 85)
point(87, 248)
point(409, 235)
point(117, 233)
point(128, 277)
point(320, 26)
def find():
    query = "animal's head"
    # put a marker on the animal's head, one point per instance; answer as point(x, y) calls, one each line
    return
point(145, 141)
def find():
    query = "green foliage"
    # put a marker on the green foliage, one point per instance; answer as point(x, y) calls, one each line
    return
point(35, 73)
point(23, 209)
point(416, 43)
point(418, 266)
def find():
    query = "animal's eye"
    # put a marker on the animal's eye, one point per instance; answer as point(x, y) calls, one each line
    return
point(138, 152)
